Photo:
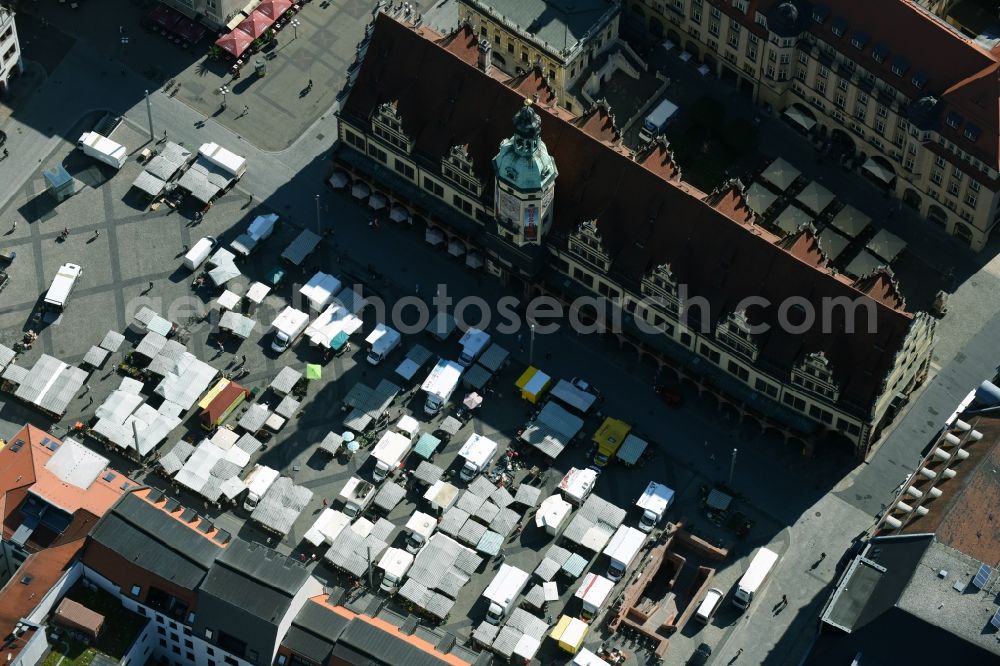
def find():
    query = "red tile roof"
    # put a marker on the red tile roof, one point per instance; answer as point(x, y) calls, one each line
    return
point(958, 69)
point(444, 100)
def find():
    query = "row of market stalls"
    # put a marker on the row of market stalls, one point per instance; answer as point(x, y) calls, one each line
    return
point(786, 202)
point(204, 175)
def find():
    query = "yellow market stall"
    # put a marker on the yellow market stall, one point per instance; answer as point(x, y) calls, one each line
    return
point(570, 632)
point(533, 384)
point(609, 438)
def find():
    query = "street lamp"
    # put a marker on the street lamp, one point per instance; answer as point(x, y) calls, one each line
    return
point(295, 27)
point(531, 345)
point(732, 469)
point(224, 89)
point(318, 224)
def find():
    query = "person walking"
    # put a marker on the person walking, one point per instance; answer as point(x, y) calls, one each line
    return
point(150, 287)
point(784, 601)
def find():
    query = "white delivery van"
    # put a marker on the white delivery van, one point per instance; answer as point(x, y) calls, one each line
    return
point(708, 605)
point(753, 579)
point(622, 549)
point(577, 485)
point(654, 502)
point(503, 591)
point(62, 286)
point(594, 592)
point(320, 291)
point(474, 343)
point(381, 341)
point(102, 148)
point(389, 453)
point(356, 494)
point(419, 529)
point(198, 253)
point(260, 229)
point(394, 564)
point(657, 120)
point(288, 326)
point(440, 384)
point(478, 452)
point(257, 482)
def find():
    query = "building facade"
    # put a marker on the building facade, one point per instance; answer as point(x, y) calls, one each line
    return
point(559, 37)
point(10, 49)
point(215, 14)
point(893, 83)
point(629, 234)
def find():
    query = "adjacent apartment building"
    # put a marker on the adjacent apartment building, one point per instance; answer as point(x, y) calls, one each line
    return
point(559, 37)
point(10, 49)
point(889, 80)
point(552, 203)
point(216, 14)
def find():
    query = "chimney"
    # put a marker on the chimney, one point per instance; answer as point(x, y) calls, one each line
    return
point(485, 51)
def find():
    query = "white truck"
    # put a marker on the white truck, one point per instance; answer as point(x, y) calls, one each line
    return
point(474, 343)
point(440, 384)
point(622, 549)
point(257, 483)
point(392, 448)
point(478, 452)
point(259, 229)
point(356, 494)
point(225, 159)
point(394, 564)
point(320, 290)
point(593, 593)
point(577, 485)
point(381, 342)
point(503, 591)
point(198, 253)
point(657, 120)
point(288, 326)
point(62, 286)
point(753, 579)
point(654, 502)
point(419, 529)
point(102, 148)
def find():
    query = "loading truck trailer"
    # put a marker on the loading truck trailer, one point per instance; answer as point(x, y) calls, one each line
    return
point(658, 119)
point(622, 549)
point(198, 253)
point(474, 342)
point(288, 326)
point(257, 482)
point(751, 582)
point(593, 593)
point(103, 149)
point(225, 159)
point(389, 452)
point(381, 342)
point(394, 564)
point(259, 229)
point(478, 452)
point(654, 502)
point(503, 591)
point(419, 529)
point(356, 495)
point(440, 384)
point(62, 286)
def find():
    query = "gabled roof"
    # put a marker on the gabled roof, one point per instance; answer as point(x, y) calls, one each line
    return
point(444, 100)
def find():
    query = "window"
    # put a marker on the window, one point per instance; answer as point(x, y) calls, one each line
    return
point(355, 140)
point(738, 370)
point(936, 176)
point(210, 651)
point(229, 660)
point(377, 153)
point(161, 631)
point(208, 634)
point(840, 101)
point(141, 611)
point(842, 84)
point(953, 188)
point(524, 56)
point(766, 388)
point(713, 27)
point(686, 339)
point(281, 660)
point(957, 174)
point(880, 126)
point(821, 87)
point(175, 649)
point(136, 590)
point(794, 401)
point(709, 353)
point(939, 161)
point(163, 643)
point(714, 12)
point(189, 655)
point(433, 187)
point(974, 185)
point(770, 71)
point(860, 112)
point(174, 637)
point(461, 203)
point(882, 110)
point(784, 59)
point(404, 168)
point(510, 47)
point(188, 644)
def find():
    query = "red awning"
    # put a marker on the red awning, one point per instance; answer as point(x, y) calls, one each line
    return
point(274, 8)
point(164, 17)
point(189, 30)
point(255, 25)
point(235, 43)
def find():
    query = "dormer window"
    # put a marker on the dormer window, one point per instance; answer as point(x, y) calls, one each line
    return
point(954, 120)
point(919, 79)
point(860, 39)
point(880, 52)
point(900, 65)
point(821, 13)
point(971, 132)
point(839, 27)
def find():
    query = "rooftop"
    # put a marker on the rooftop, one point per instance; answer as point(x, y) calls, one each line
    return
point(644, 219)
point(557, 24)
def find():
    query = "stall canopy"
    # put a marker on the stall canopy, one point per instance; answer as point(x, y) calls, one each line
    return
point(781, 174)
point(338, 179)
point(255, 25)
point(814, 197)
point(791, 219)
point(759, 198)
point(863, 264)
point(831, 243)
point(533, 383)
point(850, 221)
point(880, 172)
point(234, 43)
point(799, 118)
point(886, 245)
point(274, 8)
point(434, 236)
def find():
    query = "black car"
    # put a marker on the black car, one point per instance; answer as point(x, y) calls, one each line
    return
point(701, 655)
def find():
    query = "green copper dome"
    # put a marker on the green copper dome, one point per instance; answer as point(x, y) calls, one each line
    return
point(524, 162)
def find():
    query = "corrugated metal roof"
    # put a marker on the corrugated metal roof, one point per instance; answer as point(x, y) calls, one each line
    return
point(253, 419)
point(150, 345)
point(389, 496)
point(112, 341)
point(452, 521)
point(149, 183)
point(428, 472)
point(527, 495)
point(173, 461)
point(287, 407)
point(281, 505)
point(505, 521)
point(494, 357)
point(470, 502)
point(286, 380)
point(50, 383)
point(383, 647)
point(6, 356)
point(481, 487)
point(96, 356)
point(186, 385)
point(471, 533)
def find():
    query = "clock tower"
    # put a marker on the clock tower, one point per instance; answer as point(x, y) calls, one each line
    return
point(525, 181)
